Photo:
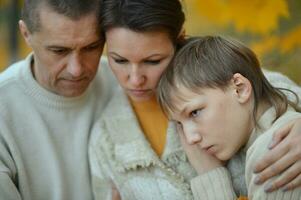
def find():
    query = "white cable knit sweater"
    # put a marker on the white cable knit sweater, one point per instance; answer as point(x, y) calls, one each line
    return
point(44, 137)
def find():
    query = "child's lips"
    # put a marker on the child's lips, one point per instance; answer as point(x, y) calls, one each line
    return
point(209, 149)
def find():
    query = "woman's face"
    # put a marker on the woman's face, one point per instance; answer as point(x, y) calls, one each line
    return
point(138, 59)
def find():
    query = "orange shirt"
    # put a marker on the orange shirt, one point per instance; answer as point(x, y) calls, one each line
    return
point(153, 123)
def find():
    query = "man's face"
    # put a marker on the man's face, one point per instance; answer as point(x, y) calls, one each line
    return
point(66, 52)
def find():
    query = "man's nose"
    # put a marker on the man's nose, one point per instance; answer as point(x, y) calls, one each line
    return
point(74, 66)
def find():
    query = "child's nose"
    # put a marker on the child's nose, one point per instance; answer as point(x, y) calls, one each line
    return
point(192, 136)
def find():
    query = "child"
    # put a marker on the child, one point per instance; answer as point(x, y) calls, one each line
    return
point(216, 91)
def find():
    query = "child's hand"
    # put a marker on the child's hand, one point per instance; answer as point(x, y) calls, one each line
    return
point(284, 156)
point(200, 160)
point(115, 193)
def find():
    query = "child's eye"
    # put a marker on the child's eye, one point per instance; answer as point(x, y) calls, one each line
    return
point(195, 113)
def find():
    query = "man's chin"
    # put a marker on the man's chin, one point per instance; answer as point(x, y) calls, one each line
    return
point(72, 92)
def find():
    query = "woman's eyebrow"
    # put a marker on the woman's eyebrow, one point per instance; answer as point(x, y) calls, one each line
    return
point(115, 54)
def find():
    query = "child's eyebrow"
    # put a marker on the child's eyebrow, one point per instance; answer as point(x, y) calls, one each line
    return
point(185, 109)
point(180, 110)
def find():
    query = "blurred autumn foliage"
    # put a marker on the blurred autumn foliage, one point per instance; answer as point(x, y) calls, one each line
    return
point(272, 28)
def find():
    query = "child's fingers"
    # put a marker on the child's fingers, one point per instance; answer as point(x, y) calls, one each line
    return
point(115, 193)
point(182, 136)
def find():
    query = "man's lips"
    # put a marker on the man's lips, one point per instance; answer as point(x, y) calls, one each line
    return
point(74, 79)
point(73, 82)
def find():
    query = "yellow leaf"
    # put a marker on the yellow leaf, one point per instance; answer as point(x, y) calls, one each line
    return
point(265, 45)
point(215, 11)
point(291, 40)
point(257, 16)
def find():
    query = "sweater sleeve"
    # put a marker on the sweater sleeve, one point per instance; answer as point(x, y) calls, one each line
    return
point(215, 184)
point(256, 192)
point(8, 189)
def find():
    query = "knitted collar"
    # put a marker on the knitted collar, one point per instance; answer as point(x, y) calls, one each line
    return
point(129, 147)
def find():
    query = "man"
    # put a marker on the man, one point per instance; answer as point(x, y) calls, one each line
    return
point(49, 102)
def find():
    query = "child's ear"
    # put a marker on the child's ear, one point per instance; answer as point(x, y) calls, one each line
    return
point(242, 87)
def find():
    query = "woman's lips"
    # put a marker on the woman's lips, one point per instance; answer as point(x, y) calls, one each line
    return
point(139, 92)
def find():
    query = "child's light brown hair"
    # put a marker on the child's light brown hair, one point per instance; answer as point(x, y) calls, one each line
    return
point(212, 61)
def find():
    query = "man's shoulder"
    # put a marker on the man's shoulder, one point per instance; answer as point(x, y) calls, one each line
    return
point(10, 74)
point(9, 81)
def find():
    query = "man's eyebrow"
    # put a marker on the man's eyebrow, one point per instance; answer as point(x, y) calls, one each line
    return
point(56, 47)
point(98, 42)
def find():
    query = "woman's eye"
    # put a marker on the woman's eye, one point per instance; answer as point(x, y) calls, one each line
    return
point(120, 61)
point(152, 62)
point(195, 113)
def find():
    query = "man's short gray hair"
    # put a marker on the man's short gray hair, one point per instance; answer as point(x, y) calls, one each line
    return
point(73, 9)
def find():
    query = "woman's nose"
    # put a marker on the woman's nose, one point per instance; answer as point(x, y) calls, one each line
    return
point(136, 77)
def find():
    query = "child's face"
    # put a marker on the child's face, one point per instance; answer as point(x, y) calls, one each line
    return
point(213, 118)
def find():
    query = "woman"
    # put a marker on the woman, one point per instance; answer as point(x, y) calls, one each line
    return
point(134, 146)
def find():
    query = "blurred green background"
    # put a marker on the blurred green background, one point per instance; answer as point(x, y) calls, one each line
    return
point(272, 28)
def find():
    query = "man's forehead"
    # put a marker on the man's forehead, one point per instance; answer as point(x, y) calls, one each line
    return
point(49, 18)
point(57, 28)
